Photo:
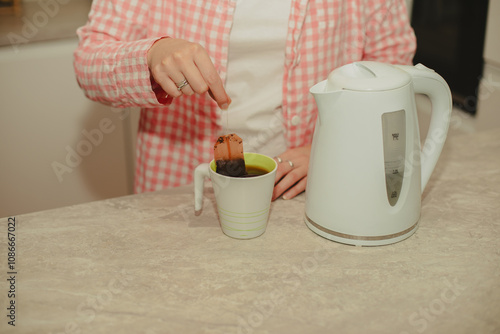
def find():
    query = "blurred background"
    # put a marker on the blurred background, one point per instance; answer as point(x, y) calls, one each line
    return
point(58, 148)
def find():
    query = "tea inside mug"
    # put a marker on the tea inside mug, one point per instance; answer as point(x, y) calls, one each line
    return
point(253, 170)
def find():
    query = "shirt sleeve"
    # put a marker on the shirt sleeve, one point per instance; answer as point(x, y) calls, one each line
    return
point(389, 35)
point(111, 59)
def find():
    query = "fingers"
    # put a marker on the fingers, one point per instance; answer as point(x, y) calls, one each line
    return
point(291, 175)
point(212, 80)
point(284, 168)
point(292, 184)
point(171, 61)
point(298, 188)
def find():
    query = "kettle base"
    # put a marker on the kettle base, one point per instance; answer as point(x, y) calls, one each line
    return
point(355, 240)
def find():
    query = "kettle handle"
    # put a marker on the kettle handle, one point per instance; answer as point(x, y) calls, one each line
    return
point(428, 82)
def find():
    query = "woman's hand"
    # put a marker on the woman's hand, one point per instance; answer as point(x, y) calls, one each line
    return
point(291, 176)
point(171, 61)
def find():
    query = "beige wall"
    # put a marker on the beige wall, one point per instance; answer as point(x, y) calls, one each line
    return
point(44, 120)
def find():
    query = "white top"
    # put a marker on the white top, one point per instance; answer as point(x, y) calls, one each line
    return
point(255, 61)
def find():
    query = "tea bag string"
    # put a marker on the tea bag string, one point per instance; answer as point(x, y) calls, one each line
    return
point(225, 121)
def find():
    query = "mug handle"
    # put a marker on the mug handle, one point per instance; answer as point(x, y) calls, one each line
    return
point(200, 173)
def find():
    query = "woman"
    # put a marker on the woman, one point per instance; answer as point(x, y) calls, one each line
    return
point(199, 69)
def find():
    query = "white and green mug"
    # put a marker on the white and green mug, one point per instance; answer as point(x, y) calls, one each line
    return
point(243, 203)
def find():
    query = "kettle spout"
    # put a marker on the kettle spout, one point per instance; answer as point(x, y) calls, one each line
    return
point(324, 98)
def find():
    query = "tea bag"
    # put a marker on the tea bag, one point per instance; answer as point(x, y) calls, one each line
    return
point(228, 155)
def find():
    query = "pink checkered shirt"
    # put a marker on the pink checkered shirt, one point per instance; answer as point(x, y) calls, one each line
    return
point(176, 135)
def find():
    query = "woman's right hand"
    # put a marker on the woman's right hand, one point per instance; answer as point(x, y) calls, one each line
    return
point(172, 60)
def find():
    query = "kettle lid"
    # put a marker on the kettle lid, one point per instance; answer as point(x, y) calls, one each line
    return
point(367, 76)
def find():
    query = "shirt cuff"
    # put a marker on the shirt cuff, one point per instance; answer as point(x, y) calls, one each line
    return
point(134, 81)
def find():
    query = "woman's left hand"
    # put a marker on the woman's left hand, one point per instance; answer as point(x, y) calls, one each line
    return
point(291, 176)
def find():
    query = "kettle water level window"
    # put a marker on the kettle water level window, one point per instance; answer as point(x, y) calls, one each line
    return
point(394, 137)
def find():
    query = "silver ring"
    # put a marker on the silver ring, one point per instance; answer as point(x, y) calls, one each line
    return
point(278, 159)
point(182, 84)
point(290, 163)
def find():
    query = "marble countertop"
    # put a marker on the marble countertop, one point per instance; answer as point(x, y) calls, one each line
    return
point(146, 264)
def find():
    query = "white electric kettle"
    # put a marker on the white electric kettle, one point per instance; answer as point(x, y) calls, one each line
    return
point(367, 170)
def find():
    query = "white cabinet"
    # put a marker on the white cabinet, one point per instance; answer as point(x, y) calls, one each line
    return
point(492, 40)
point(57, 147)
point(409, 7)
point(488, 113)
